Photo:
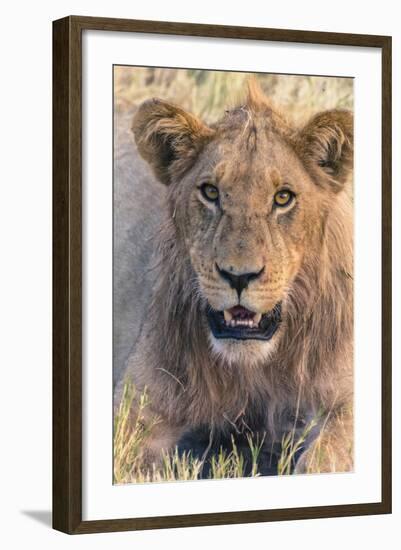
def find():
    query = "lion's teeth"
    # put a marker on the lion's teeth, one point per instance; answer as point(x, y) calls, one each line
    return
point(257, 318)
point(227, 316)
point(232, 322)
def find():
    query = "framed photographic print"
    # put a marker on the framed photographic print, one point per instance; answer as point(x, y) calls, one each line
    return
point(222, 274)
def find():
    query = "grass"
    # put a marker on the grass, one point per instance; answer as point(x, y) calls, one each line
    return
point(290, 446)
point(209, 93)
point(130, 435)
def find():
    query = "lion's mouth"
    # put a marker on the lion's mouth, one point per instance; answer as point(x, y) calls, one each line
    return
point(241, 323)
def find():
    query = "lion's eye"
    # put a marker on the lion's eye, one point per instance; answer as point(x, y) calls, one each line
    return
point(283, 197)
point(210, 192)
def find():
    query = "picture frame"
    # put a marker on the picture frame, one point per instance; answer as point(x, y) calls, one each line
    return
point(68, 290)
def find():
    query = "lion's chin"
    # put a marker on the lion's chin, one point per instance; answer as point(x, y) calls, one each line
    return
point(242, 353)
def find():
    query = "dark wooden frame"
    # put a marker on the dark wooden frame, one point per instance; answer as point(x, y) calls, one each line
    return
point(67, 292)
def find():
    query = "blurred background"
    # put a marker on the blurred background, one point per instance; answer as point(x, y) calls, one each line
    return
point(208, 93)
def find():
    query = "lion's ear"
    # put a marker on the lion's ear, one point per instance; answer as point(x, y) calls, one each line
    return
point(168, 137)
point(325, 145)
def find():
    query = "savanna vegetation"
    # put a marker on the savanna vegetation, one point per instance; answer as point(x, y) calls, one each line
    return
point(208, 93)
point(130, 435)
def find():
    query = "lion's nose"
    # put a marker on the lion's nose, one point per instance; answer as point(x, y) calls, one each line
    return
point(239, 282)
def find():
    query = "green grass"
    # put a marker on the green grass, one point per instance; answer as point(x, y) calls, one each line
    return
point(131, 433)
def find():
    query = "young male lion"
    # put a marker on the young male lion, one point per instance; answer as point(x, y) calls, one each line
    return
point(248, 330)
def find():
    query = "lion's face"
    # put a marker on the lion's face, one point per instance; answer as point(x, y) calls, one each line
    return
point(247, 209)
point(247, 213)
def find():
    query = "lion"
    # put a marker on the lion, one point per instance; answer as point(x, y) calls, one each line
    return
point(248, 327)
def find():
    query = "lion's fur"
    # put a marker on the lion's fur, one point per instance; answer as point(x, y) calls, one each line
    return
point(309, 367)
